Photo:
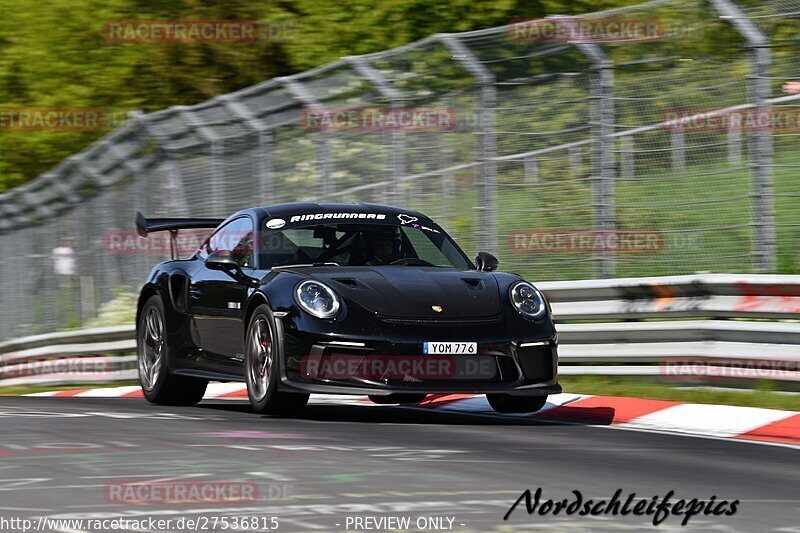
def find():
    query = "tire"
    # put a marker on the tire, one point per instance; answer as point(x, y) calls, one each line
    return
point(153, 353)
point(505, 403)
point(400, 397)
point(263, 356)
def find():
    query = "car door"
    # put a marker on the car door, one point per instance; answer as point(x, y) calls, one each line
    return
point(217, 299)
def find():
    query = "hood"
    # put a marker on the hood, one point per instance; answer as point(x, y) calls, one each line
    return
point(411, 292)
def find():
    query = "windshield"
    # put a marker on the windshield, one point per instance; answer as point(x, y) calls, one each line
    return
point(350, 244)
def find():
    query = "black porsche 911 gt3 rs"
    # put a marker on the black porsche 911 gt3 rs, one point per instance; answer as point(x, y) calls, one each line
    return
point(339, 298)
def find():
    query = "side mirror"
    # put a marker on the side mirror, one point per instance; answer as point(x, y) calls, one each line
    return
point(486, 262)
point(223, 260)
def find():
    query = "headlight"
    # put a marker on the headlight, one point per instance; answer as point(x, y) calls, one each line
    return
point(317, 299)
point(528, 300)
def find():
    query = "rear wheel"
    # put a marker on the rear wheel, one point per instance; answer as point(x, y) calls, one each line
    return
point(153, 361)
point(401, 398)
point(263, 352)
point(505, 403)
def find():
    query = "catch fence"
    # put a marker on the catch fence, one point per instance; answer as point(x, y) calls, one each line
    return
point(615, 144)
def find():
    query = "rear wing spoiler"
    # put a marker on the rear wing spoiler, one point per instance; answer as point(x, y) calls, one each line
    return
point(145, 226)
point(173, 225)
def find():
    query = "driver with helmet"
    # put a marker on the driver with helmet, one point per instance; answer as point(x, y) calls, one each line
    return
point(383, 245)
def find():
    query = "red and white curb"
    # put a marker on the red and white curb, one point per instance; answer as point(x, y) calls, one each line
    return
point(714, 421)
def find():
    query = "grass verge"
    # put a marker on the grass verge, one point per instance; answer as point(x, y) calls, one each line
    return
point(639, 388)
point(19, 390)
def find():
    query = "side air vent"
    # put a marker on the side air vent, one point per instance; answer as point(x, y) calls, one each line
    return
point(178, 292)
point(473, 283)
point(350, 282)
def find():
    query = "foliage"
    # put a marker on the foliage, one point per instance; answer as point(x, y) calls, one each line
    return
point(119, 311)
point(55, 55)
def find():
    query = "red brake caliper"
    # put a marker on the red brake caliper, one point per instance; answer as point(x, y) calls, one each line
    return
point(263, 345)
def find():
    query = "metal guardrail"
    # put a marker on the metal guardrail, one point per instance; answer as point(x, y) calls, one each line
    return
point(95, 355)
point(694, 296)
point(700, 350)
point(79, 337)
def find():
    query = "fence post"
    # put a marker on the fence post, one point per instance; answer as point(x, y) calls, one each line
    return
point(530, 170)
point(678, 144)
point(627, 158)
point(218, 204)
point(761, 146)
point(602, 89)
point(487, 143)
point(266, 174)
point(397, 155)
point(266, 185)
point(322, 141)
point(107, 271)
point(27, 288)
point(575, 160)
point(176, 203)
point(135, 163)
point(142, 200)
point(734, 145)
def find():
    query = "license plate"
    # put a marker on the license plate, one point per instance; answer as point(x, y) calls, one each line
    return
point(450, 348)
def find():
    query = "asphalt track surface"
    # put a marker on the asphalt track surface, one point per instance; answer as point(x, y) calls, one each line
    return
point(58, 457)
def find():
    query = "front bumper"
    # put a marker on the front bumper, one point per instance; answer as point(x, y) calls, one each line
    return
point(527, 367)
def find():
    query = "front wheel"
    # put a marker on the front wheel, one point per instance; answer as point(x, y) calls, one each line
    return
point(505, 403)
point(263, 351)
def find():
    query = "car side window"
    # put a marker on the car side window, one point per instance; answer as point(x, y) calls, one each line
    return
point(236, 236)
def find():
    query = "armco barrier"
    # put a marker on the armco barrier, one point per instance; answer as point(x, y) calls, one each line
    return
point(615, 342)
point(708, 295)
point(83, 356)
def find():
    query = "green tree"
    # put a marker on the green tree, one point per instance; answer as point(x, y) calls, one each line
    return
point(53, 54)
